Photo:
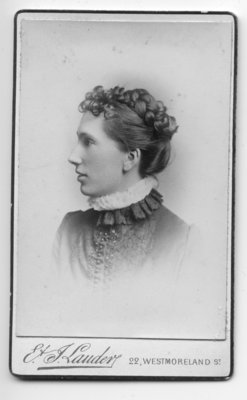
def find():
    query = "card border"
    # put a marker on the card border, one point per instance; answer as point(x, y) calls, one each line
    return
point(233, 187)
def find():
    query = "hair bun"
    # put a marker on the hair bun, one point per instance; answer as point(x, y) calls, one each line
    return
point(151, 111)
point(140, 108)
point(149, 118)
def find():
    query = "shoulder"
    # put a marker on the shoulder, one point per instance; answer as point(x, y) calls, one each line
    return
point(75, 220)
point(171, 235)
point(171, 239)
point(170, 223)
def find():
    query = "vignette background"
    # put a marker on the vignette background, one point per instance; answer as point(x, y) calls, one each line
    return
point(184, 61)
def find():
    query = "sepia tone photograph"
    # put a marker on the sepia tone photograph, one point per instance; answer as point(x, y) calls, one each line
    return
point(123, 185)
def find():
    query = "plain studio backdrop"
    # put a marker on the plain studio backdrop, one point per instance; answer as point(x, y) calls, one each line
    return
point(186, 64)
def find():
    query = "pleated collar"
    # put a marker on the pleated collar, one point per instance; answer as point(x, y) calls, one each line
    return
point(119, 200)
point(135, 212)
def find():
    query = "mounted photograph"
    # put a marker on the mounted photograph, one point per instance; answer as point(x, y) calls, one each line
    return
point(122, 195)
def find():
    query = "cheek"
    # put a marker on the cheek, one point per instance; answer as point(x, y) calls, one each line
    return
point(109, 162)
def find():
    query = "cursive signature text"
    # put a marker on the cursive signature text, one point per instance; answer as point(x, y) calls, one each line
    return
point(71, 355)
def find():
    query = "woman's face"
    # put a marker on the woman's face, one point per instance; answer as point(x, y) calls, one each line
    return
point(97, 158)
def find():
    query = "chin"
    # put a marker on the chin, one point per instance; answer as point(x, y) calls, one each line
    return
point(87, 191)
point(96, 191)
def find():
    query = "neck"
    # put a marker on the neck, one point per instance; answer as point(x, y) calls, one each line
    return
point(120, 199)
point(129, 180)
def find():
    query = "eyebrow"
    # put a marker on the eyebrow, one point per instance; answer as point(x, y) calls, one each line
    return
point(85, 134)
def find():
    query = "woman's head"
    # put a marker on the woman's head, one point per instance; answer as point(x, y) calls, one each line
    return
point(123, 136)
point(135, 120)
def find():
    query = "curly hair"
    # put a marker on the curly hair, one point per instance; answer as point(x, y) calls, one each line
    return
point(135, 119)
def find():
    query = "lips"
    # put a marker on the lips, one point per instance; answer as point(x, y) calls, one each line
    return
point(81, 177)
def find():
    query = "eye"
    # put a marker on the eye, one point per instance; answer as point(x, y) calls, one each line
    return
point(86, 141)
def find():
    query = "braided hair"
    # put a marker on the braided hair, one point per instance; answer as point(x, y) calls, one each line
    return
point(134, 119)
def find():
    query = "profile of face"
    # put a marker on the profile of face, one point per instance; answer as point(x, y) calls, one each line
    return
point(98, 159)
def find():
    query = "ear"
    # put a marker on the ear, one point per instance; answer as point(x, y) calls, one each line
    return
point(132, 159)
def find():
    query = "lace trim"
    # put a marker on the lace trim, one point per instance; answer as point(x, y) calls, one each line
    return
point(118, 200)
point(137, 211)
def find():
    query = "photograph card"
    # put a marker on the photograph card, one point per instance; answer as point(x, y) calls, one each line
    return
point(122, 195)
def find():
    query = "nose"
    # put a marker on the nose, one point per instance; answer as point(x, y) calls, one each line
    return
point(75, 157)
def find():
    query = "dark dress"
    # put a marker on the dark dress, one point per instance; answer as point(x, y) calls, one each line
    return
point(134, 272)
point(109, 247)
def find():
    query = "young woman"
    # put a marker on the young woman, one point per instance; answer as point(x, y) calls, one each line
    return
point(126, 234)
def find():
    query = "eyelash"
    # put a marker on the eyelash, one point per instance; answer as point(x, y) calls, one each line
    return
point(87, 142)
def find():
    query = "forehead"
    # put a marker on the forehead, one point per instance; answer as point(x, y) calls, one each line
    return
point(96, 128)
point(91, 124)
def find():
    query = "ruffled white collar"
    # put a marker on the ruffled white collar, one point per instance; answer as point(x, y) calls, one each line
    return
point(124, 199)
